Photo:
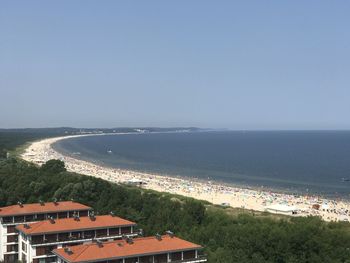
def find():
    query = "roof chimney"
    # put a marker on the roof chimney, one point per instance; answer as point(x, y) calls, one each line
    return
point(170, 234)
point(52, 220)
point(26, 226)
point(129, 240)
point(92, 216)
point(68, 251)
point(112, 213)
point(99, 243)
point(41, 202)
point(55, 201)
point(20, 204)
point(158, 237)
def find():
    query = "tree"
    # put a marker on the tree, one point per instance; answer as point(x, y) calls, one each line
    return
point(53, 166)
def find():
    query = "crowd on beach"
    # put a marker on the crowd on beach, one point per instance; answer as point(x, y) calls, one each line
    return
point(216, 193)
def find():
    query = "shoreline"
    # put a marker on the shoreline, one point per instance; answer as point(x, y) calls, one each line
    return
point(217, 193)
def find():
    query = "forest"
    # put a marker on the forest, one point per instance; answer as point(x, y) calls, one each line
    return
point(227, 235)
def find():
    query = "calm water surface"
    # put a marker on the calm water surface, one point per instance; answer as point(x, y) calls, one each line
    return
point(317, 162)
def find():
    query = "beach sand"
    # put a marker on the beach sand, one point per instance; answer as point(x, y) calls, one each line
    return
point(330, 210)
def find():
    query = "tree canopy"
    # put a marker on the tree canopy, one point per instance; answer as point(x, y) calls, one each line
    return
point(226, 238)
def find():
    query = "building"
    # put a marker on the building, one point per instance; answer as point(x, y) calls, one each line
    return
point(14, 215)
point(37, 240)
point(158, 249)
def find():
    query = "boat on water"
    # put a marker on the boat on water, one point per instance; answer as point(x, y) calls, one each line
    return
point(109, 151)
point(345, 179)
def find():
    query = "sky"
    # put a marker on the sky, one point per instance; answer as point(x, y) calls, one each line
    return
point(213, 64)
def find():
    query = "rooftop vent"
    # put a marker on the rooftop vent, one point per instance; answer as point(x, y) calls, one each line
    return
point(55, 201)
point(129, 240)
point(20, 204)
point(158, 237)
point(92, 216)
point(170, 234)
point(112, 213)
point(99, 243)
point(68, 251)
point(52, 220)
point(26, 226)
point(41, 202)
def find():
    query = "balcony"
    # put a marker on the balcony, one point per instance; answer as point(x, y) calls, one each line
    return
point(80, 235)
point(201, 258)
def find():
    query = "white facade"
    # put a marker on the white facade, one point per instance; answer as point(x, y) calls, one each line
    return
point(8, 240)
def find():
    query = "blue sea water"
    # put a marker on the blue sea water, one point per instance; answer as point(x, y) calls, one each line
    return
point(317, 162)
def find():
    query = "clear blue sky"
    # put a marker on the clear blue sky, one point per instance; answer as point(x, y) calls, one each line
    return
point(234, 64)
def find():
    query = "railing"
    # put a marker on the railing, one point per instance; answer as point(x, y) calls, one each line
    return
point(75, 239)
point(201, 258)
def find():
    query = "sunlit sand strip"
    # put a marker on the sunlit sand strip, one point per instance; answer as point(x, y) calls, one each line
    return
point(330, 210)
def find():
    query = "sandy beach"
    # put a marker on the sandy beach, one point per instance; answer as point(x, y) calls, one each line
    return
point(330, 210)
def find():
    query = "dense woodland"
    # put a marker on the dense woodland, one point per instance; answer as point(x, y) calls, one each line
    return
point(226, 237)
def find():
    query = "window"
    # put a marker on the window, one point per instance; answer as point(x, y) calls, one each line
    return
point(89, 234)
point(126, 230)
point(11, 229)
point(53, 215)
point(8, 219)
point(63, 236)
point(40, 251)
point(24, 247)
point(189, 254)
point(101, 232)
point(175, 256)
point(131, 260)
point(76, 235)
point(37, 239)
point(12, 248)
point(62, 215)
point(114, 231)
point(11, 258)
point(29, 218)
point(19, 219)
point(50, 238)
point(39, 217)
point(146, 259)
point(162, 258)
point(12, 238)
point(83, 213)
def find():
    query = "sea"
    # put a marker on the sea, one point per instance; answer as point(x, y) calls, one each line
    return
point(297, 162)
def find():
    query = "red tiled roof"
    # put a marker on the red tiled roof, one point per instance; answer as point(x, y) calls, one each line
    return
point(70, 224)
point(37, 208)
point(122, 249)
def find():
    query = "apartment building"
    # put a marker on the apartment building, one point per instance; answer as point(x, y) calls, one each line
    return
point(37, 240)
point(14, 215)
point(158, 249)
